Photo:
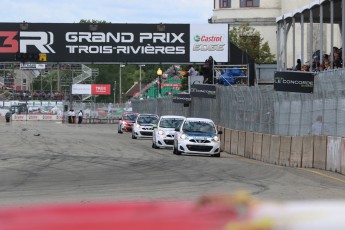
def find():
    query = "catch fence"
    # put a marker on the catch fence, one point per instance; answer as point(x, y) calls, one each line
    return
point(261, 109)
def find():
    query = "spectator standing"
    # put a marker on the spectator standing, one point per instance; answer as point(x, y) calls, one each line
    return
point(69, 114)
point(73, 116)
point(80, 117)
point(317, 127)
point(299, 65)
point(192, 71)
point(208, 70)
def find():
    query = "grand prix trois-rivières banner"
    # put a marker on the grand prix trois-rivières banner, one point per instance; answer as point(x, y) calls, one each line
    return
point(115, 43)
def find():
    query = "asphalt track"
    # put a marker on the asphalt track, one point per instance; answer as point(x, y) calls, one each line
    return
point(49, 162)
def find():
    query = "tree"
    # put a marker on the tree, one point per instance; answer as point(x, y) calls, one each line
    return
point(250, 40)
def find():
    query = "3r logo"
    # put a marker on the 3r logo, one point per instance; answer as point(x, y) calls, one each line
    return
point(39, 39)
point(10, 44)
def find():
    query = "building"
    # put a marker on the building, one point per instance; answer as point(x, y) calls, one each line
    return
point(262, 15)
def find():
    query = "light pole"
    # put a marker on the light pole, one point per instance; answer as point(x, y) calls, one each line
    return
point(159, 73)
point(121, 66)
point(114, 93)
point(140, 79)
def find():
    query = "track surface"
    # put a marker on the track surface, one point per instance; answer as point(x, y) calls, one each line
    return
point(90, 163)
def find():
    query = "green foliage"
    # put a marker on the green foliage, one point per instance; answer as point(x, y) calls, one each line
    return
point(250, 40)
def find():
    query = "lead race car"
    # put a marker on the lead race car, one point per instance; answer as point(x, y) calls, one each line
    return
point(143, 126)
point(126, 122)
point(197, 136)
point(164, 133)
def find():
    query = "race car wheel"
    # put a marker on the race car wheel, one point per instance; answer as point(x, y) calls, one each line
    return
point(119, 131)
point(175, 150)
point(133, 136)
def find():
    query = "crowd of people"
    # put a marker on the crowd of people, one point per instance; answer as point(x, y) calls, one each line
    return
point(324, 64)
point(206, 70)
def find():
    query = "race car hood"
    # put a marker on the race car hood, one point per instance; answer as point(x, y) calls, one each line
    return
point(198, 134)
point(167, 129)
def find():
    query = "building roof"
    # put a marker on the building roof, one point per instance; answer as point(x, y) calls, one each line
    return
point(315, 8)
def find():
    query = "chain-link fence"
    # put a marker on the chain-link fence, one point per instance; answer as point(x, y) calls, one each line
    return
point(261, 109)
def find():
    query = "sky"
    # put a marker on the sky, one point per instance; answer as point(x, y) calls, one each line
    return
point(114, 11)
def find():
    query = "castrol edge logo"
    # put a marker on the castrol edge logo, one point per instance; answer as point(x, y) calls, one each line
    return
point(208, 42)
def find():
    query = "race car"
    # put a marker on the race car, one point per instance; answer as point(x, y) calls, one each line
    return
point(197, 136)
point(143, 126)
point(126, 122)
point(163, 135)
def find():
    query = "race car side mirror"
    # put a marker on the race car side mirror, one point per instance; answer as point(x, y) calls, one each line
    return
point(177, 129)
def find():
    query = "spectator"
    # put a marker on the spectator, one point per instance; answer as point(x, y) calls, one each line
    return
point(191, 71)
point(208, 70)
point(80, 117)
point(317, 127)
point(305, 68)
point(73, 116)
point(69, 116)
point(299, 65)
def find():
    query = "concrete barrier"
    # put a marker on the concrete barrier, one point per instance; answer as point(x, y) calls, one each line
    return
point(257, 146)
point(285, 150)
point(227, 140)
point(333, 154)
point(248, 150)
point(308, 152)
point(234, 142)
point(222, 138)
point(320, 152)
point(241, 143)
point(266, 144)
point(342, 156)
point(296, 151)
point(274, 149)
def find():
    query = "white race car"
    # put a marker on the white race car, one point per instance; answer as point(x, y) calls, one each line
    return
point(163, 134)
point(143, 126)
point(197, 136)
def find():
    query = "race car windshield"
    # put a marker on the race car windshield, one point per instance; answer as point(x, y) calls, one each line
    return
point(197, 126)
point(147, 120)
point(170, 122)
point(130, 117)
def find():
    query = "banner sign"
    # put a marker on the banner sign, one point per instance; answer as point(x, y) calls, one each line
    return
point(182, 98)
point(293, 81)
point(115, 43)
point(27, 66)
point(91, 89)
point(203, 90)
point(209, 40)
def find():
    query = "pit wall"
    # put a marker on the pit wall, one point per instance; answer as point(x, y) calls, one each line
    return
point(320, 152)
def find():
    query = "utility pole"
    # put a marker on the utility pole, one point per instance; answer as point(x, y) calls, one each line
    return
point(114, 93)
